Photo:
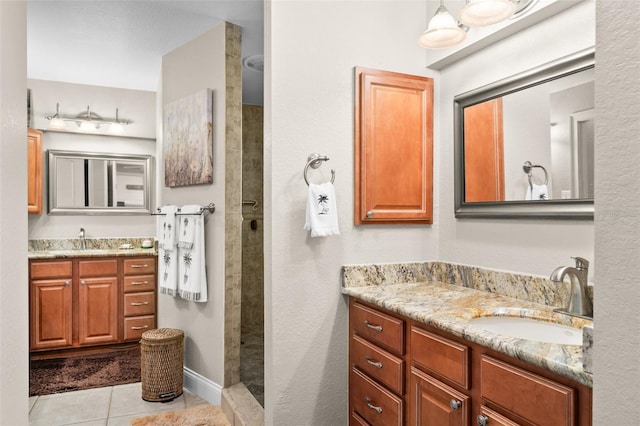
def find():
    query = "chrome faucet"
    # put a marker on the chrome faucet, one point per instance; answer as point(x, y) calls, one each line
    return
point(83, 242)
point(579, 304)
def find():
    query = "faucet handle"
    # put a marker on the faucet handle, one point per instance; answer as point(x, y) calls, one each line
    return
point(581, 263)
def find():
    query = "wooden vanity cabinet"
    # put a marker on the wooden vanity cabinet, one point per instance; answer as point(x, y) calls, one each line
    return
point(452, 381)
point(84, 302)
point(50, 305)
point(393, 148)
point(34, 171)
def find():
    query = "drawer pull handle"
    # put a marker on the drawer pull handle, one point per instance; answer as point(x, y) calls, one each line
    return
point(139, 303)
point(140, 328)
point(139, 282)
point(482, 420)
point(67, 283)
point(373, 407)
point(377, 328)
point(376, 364)
point(455, 404)
point(140, 266)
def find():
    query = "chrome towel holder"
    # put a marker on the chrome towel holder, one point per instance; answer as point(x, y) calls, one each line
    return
point(314, 160)
point(527, 166)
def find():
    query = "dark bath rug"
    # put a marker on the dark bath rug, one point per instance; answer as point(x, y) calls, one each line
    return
point(77, 372)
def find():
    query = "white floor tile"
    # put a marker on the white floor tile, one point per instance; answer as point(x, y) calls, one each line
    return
point(32, 401)
point(71, 407)
point(127, 400)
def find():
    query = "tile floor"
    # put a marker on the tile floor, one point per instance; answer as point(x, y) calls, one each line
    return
point(109, 406)
point(252, 361)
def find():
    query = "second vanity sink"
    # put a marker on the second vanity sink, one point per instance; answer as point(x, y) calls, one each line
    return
point(529, 329)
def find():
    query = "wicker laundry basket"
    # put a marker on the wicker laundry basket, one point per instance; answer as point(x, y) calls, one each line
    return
point(162, 358)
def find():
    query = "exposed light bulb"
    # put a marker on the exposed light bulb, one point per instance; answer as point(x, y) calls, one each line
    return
point(88, 126)
point(442, 31)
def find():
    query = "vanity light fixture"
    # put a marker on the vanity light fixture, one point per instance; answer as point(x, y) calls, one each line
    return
point(480, 13)
point(442, 31)
point(87, 121)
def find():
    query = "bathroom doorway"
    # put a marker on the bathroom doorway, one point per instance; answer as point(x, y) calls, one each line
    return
point(252, 285)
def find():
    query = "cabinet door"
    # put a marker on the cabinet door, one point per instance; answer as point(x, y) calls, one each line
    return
point(432, 403)
point(51, 321)
point(34, 170)
point(98, 310)
point(393, 148)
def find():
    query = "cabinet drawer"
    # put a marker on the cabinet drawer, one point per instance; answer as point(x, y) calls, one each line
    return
point(135, 326)
point(374, 403)
point(97, 268)
point(379, 364)
point(538, 400)
point(383, 329)
point(442, 357)
point(356, 420)
point(140, 265)
point(491, 418)
point(60, 269)
point(139, 283)
point(139, 304)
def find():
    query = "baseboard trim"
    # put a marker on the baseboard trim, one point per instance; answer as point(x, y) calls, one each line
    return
point(203, 387)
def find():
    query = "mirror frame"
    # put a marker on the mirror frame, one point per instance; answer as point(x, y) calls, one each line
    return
point(53, 209)
point(550, 209)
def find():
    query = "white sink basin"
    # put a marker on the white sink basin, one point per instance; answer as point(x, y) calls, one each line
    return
point(530, 329)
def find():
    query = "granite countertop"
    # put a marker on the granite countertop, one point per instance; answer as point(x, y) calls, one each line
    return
point(69, 254)
point(450, 307)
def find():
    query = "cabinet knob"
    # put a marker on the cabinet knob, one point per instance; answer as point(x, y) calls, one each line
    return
point(67, 283)
point(370, 213)
point(455, 404)
point(83, 282)
point(482, 420)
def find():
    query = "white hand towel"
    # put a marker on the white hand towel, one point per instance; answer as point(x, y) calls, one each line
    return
point(192, 277)
point(321, 215)
point(167, 252)
point(166, 227)
point(187, 232)
point(537, 192)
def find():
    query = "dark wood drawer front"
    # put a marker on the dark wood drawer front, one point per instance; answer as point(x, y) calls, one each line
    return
point(379, 364)
point(61, 269)
point(538, 400)
point(442, 357)
point(140, 265)
point(374, 403)
point(135, 326)
point(356, 420)
point(380, 328)
point(139, 304)
point(494, 419)
point(97, 268)
point(139, 283)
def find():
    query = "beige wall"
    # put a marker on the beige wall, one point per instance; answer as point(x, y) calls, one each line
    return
point(198, 65)
point(14, 322)
point(617, 229)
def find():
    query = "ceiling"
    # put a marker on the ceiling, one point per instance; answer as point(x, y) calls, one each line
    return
point(120, 43)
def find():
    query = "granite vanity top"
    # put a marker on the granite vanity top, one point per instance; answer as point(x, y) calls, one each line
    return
point(95, 247)
point(449, 308)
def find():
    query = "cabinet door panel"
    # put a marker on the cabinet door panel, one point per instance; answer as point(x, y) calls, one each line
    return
point(51, 320)
point(34, 168)
point(394, 147)
point(436, 404)
point(98, 310)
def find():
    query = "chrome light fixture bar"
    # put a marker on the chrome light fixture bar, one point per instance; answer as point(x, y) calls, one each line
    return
point(87, 121)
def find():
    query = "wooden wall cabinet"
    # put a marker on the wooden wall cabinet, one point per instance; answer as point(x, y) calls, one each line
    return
point(445, 380)
point(393, 148)
point(34, 171)
point(90, 301)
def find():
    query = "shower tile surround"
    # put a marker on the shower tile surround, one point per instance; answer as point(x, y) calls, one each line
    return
point(447, 296)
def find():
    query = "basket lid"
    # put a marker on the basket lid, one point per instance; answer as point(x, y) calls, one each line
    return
point(159, 334)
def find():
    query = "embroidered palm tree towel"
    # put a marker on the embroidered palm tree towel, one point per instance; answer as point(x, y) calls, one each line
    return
point(192, 277)
point(167, 250)
point(321, 215)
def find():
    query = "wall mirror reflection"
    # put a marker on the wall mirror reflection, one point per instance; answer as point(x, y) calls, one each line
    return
point(95, 183)
point(524, 145)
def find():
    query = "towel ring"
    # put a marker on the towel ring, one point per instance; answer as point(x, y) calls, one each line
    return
point(314, 160)
point(527, 166)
